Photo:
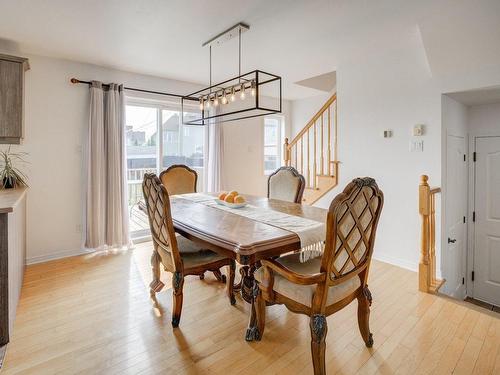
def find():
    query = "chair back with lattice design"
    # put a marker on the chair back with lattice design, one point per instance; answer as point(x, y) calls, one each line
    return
point(179, 179)
point(351, 226)
point(160, 218)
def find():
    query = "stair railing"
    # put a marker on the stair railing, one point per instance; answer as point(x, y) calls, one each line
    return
point(427, 280)
point(313, 151)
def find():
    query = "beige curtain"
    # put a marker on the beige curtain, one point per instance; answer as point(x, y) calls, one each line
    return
point(106, 212)
point(215, 157)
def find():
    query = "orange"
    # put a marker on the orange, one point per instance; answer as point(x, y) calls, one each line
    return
point(239, 199)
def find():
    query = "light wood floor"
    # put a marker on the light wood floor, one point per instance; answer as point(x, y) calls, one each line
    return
point(92, 315)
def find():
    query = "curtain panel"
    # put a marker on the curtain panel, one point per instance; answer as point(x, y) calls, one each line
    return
point(215, 157)
point(106, 211)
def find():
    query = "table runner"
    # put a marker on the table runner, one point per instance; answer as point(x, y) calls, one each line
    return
point(311, 232)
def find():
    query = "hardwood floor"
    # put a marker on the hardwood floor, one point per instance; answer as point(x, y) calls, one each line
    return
point(92, 315)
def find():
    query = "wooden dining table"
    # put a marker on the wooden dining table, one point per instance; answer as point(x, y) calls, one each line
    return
point(240, 238)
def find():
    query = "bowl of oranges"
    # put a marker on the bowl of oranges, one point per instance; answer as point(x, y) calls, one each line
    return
point(231, 199)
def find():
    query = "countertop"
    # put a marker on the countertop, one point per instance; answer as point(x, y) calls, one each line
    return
point(9, 199)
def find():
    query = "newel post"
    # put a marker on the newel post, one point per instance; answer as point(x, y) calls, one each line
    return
point(424, 210)
point(286, 153)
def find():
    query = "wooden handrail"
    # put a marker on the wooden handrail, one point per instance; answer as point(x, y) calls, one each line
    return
point(427, 280)
point(328, 103)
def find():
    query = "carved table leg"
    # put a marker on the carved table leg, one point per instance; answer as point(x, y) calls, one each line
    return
point(253, 333)
point(247, 283)
point(243, 272)
point(249, 291)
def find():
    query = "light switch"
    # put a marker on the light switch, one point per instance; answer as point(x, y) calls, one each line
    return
point(418, 130)
point(416, 146)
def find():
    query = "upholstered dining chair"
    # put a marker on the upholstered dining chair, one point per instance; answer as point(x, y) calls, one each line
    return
point(322, 286)
point(177, 254)
point(179, 179)
point(286, 184)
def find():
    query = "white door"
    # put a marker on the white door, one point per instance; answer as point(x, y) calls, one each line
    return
point(454, 251)
point(486, 286)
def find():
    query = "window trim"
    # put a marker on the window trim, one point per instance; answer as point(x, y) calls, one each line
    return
point(281, 140)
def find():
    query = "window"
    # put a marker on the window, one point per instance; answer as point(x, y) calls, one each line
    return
point(273, 143)
point(148, 152)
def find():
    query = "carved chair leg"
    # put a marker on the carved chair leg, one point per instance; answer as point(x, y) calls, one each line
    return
point(219, 276)
point(177, 284)
point(260, 310)
point(230, 285)
point(318, 346)
point(156, 285)
point(364, 303)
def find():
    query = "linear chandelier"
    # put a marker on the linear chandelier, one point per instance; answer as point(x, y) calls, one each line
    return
point(248, 95)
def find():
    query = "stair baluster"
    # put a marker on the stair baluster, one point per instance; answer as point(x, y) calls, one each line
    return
point(323, 177)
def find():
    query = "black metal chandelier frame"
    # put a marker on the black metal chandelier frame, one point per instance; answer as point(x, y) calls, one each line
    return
point(208, 98)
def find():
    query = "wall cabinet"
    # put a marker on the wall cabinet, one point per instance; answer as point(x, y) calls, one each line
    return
point(12, 69)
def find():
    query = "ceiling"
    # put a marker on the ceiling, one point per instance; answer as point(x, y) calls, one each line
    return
point(296, 39)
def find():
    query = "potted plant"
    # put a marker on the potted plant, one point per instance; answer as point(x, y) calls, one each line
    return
point(10, 175)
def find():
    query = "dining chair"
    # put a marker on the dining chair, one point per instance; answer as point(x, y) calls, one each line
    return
point(177, 254)
point(322, 286)
point(179, 179)
point(286, 184)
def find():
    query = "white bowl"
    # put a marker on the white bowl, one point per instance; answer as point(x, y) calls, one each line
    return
point(231, 205)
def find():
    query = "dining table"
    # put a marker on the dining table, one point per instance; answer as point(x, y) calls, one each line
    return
point(244, 239)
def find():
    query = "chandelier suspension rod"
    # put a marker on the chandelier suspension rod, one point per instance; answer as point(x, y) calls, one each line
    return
point(210, 67)
point(239, 54)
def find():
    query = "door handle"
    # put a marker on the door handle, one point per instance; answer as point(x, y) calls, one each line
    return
point(451, 240)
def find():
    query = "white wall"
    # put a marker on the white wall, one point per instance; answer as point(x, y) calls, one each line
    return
point(244, 155)
point(392, 87)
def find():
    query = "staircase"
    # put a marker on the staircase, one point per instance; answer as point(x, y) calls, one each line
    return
point(313, 152)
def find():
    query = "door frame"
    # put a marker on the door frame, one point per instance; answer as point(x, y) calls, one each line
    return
point(444, 221)
point(473, 135)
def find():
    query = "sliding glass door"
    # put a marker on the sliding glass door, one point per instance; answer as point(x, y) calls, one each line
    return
point(182, 144)
point(147, 151)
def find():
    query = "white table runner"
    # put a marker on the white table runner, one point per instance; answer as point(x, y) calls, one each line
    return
point(311, 232)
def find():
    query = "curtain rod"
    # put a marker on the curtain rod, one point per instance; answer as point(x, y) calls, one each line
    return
point(74, 80)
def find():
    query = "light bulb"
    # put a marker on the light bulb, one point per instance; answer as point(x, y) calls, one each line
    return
point(224, 99)
point(253, 88)
point(233, 96)
point(242, 91)
point(216, 100)
point(207, 104)
point(201, 104)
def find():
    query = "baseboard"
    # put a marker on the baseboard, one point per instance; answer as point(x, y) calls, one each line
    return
point(396, 262)
point(58, 255)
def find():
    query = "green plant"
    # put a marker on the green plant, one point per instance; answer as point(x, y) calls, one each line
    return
point(10, 175)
